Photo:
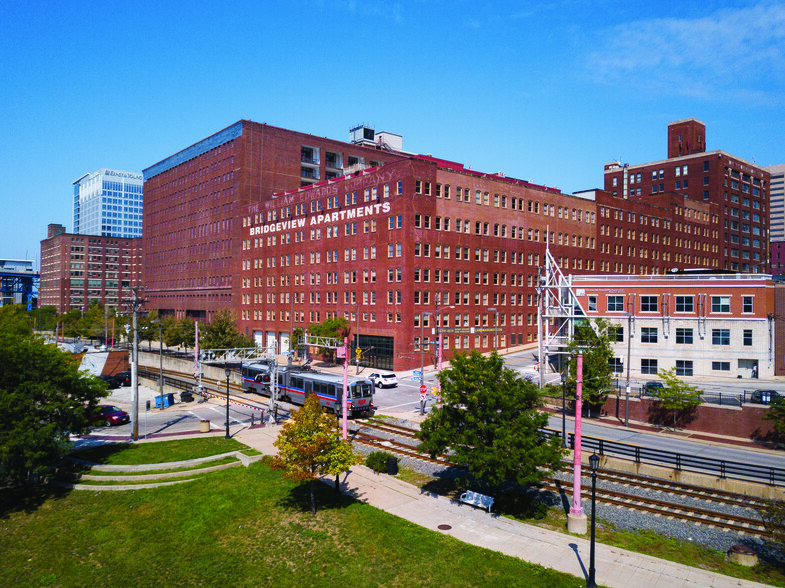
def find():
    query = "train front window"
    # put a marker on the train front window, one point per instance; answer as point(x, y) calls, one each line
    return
point(362, 390)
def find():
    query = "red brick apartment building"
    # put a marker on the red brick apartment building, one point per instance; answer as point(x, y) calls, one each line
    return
point(723, 201)
point(287, 229)
point(77, 270)
point(194, 199)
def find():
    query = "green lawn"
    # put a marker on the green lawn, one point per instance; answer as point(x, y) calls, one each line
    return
point(235, 527)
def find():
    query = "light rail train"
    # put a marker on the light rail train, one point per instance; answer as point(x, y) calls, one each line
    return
point(295, 384)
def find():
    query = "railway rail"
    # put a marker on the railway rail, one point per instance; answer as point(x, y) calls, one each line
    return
point(700, 515)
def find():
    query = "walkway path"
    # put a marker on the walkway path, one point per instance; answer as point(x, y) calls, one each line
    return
point(567, 553)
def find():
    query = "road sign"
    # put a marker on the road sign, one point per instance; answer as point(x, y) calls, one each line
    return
point(423, 389)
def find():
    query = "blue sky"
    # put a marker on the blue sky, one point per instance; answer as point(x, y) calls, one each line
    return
point(543, 91)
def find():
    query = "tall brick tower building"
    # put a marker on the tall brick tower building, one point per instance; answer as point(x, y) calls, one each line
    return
point(194, 201)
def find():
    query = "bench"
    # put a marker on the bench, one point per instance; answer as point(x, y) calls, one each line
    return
point(477, 499)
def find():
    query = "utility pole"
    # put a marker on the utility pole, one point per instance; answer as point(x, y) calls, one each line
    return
point(136, 304)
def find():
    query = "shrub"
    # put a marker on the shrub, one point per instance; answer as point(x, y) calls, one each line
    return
point(377, 460)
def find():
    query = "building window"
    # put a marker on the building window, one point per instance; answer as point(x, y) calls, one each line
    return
point(648, 366)
point(648, 304)
point(592, 304)
point(746, 302)
point(615, 303)
point(747, 337)
point(684, 304)
point(616, 364)
point(720, 336)
point(720, 366)
point(720, 303)
point(617, 334)
point(683, 336)
point(648, 334)
point(683, 367)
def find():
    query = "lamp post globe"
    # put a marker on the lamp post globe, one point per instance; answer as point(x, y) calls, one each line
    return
point(594, 462)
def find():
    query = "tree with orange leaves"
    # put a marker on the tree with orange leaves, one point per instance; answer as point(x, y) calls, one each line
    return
point(310, 446)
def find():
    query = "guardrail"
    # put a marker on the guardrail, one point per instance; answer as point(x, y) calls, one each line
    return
point(720, 398)
point(723, 468)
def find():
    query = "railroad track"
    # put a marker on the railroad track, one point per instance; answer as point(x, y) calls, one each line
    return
point(678, 488)
point(655, 506)
point(664, 508)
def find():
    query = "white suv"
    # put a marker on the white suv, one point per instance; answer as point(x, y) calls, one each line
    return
point(383, 380)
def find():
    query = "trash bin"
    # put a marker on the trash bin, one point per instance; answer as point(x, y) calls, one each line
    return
point(168, 400)
point(392, 466)
point(186, 396)
point(204, 426)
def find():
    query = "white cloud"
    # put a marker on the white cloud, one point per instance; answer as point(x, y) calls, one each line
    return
point(733, 53)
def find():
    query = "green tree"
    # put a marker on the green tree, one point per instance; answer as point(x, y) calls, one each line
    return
point(676, 395)
point(594, 343)
point(297, 340)
point(179, 332)
point(310, 445)
point(45, 318)
point(336, 328)
point(72, 323)
point(776, 414)
point(93, 323)
point(43, 398)
point(222, 333)
point(490, 422)
point(773, 516)
point(147, 328)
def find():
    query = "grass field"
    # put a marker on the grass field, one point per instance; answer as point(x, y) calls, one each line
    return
point(235, 527)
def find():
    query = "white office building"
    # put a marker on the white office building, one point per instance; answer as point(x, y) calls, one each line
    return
point(777, 202)
point(108, 202)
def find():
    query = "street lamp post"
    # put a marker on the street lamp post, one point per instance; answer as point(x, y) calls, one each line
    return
point(563, 410)
point(495, 324)
point(422, 358)
point(228, 373)
point(594, 462)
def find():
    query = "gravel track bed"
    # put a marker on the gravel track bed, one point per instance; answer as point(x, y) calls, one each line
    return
point(618, 517)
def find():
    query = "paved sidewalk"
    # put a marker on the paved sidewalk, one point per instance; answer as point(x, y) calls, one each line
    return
point(567, 553)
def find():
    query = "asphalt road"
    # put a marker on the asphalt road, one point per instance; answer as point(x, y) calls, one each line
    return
point(405, 400)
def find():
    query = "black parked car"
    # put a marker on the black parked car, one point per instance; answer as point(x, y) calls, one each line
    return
point(111, 383)
point(764, 396)
point(652, 388)
point(122, 378)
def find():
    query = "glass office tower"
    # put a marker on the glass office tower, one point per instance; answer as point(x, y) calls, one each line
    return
point(108, 202)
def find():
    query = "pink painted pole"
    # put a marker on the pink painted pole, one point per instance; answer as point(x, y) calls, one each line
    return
point(438, 371)
point(345, 385)
point(576, 508)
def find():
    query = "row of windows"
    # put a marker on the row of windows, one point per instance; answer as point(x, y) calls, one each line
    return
point(685, 336)
point(650, 366)
point(686, 304)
